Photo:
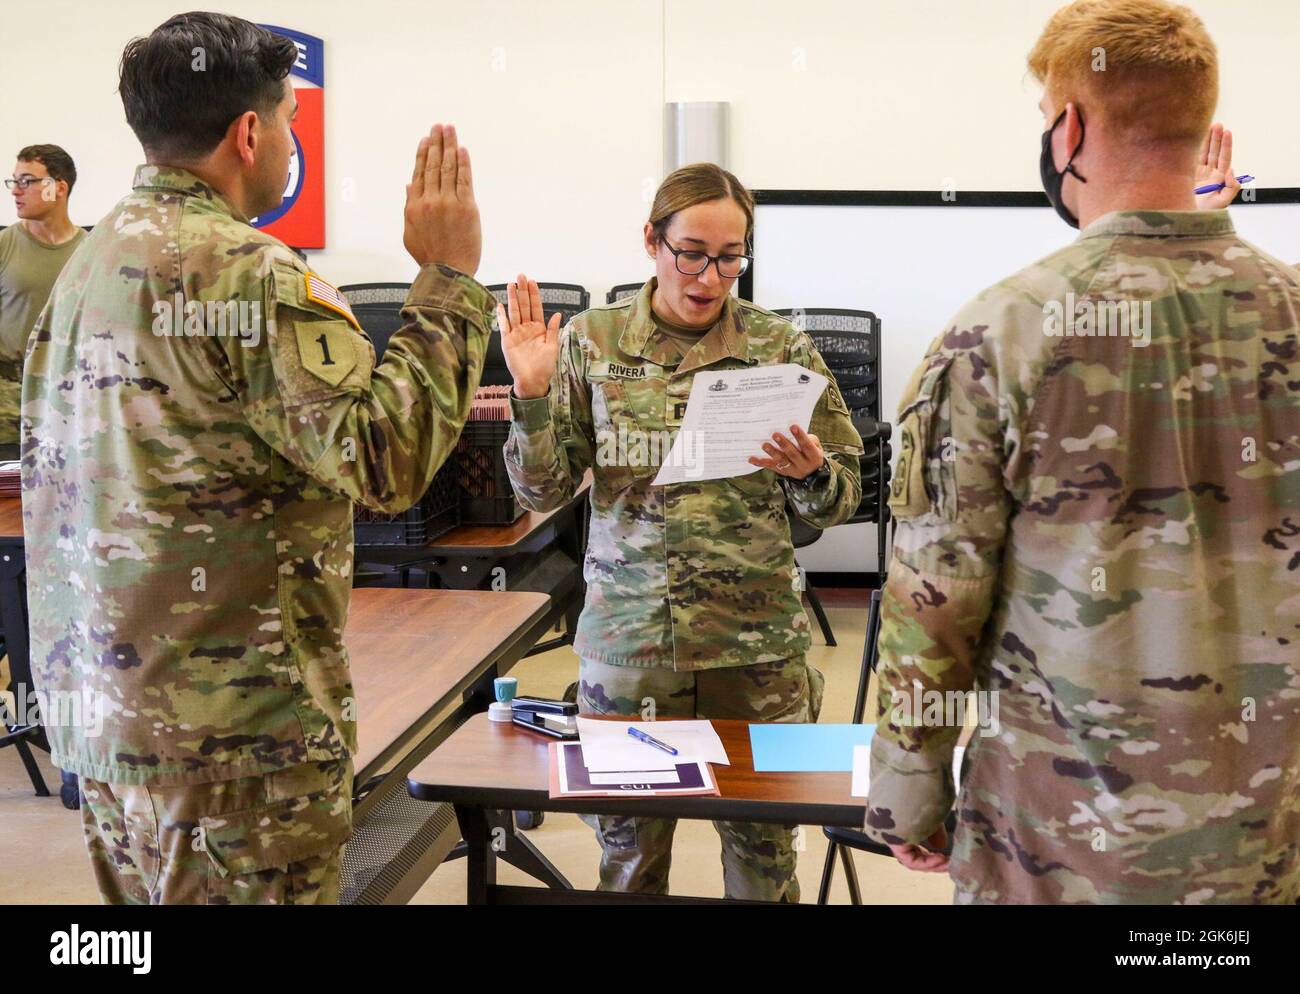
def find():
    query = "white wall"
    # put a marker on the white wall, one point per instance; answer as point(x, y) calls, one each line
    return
point(561, 105)
point(904, 94)
point(564, 127)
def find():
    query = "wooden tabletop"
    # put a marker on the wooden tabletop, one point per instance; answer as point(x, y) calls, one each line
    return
point(414, 651)
point(11, 517)
point(499, 765)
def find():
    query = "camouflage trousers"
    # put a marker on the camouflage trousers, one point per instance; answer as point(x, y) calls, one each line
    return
point(276, 838)
point(758, 861)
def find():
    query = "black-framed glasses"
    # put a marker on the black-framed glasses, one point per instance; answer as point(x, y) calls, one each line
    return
point(691, 262)
point(23, 182)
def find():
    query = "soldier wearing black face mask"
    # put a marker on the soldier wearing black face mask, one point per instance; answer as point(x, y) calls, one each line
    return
point(1078, 533)
point(1053, 178)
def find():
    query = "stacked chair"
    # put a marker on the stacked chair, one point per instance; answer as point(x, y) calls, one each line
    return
point(617, 293)
point(849, 343)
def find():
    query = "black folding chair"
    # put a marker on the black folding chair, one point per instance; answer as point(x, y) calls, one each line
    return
point(803, 534)
point(376, 293)
point(874, 467)
point(21, 736)
point(570, 299)
point(617, 293)
point(849, 343)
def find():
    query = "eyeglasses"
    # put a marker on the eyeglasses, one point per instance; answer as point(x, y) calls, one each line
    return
point(23, 182)
point(692, 263)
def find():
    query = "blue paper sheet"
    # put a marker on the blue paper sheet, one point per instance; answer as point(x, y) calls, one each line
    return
point(780, 748)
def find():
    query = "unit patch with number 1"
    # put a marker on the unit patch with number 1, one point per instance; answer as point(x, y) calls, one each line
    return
point(325, 347)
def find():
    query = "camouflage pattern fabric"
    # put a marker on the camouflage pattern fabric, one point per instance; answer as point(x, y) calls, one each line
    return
point(28, 270)
point(188, 493)
point(758, 860)
point(10, 396)
point(1103, 530)
point(271, 839)
point(692, 575)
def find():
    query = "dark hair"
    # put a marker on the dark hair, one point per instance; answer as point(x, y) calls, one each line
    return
point(57, 162)
point(183, 84)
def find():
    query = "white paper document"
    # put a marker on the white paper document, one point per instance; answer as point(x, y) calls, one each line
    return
point(607, 748)
point(862, 769)
point(731, 413)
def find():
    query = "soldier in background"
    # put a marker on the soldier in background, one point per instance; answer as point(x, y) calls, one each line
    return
point(1098, 507)
point(201, 412)
point(32, 254)
point(693, 601)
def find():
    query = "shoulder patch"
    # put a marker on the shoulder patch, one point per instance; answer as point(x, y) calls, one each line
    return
point(325, 350)
point(320, 292)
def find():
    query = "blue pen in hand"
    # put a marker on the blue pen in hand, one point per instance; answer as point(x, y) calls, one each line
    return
point(641, 736)
point(1219, 186)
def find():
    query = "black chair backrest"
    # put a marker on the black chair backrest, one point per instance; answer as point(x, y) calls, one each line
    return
point(570, 299)
point(379, 322)
point(376, 293)
point(617, 293)
point(873, 466)
point(849, 343)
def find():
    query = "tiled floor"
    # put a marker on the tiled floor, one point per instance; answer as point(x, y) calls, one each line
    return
point(45, 862)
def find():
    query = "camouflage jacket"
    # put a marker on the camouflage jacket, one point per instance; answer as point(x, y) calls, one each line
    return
point(188, 491)
point(692, 575)
point(1098, 507)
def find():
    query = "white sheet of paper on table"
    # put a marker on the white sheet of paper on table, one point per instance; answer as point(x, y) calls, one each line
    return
point(862, 769)
point(607, 748)
point(731, 413)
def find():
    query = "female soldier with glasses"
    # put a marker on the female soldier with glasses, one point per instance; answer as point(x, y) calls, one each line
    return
point(693, 606)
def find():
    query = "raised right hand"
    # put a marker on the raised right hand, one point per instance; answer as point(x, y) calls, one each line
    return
point(531, 348)
point(442, 223)
point(1215, 166)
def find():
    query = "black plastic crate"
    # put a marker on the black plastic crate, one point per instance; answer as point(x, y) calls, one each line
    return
point(434, 514)
point(486, 497)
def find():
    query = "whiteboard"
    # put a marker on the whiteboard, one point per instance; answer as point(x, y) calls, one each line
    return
point(914, 267)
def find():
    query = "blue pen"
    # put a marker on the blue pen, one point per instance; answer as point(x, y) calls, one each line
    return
point(1219, 186)
point(641, 736)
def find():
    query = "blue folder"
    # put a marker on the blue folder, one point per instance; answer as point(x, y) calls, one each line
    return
point(780, 748)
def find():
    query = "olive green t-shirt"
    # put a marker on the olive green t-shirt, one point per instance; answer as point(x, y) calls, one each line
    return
point(28, 269)
point(683, 338)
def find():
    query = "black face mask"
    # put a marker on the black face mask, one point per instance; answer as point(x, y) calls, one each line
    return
point(1052, 179)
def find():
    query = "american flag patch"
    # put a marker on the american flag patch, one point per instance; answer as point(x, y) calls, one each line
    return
point(326, 295)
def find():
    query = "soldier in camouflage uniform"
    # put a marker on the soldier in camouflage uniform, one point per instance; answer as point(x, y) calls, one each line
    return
point(1098, 507)
point(693, 606)
point(189, 484)
point(32, 253)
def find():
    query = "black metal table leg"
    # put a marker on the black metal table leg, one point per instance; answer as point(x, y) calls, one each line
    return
point(520, 853)
point(13, 619)
point(480, 855)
